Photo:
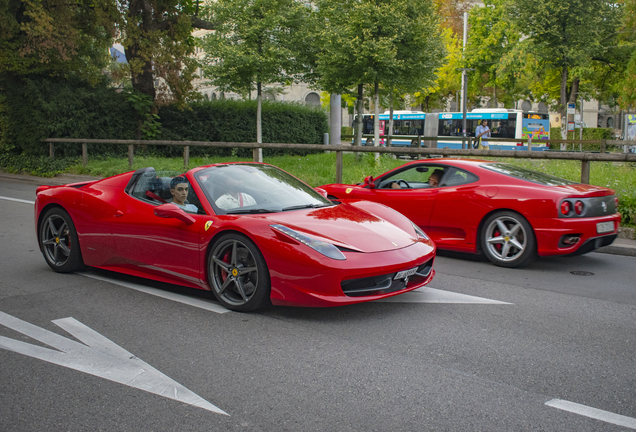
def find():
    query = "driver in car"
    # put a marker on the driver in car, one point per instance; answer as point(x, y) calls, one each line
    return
point(179, 190)
point(433, 180)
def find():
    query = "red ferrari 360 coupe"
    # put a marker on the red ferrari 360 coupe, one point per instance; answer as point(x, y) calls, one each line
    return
point(251, 233)
point(509, 213)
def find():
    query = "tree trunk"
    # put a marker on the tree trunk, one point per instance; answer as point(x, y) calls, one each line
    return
point(142, 80)
point(564, 105)
point(376, 119)
point(360, 108)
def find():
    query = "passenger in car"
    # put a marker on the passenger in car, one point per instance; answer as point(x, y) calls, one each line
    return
point(232, 196)
point(179, 190)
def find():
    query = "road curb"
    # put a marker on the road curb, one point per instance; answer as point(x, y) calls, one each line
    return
point(623, 250)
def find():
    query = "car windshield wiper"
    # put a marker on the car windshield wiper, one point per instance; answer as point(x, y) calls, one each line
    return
point(304, 206)
point(251, 211)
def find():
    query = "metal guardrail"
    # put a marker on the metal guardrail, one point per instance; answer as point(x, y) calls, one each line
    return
point(584, 157)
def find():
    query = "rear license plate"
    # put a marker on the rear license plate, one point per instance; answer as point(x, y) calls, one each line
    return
point(604, 227)
point(405, 273)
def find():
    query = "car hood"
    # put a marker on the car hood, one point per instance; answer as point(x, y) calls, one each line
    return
point(348, 226)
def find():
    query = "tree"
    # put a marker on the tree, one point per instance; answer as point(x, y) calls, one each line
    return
point(448, 82)
point(626, 85)
point(157, 37)
point(256, 42)
point(395, 44)
point(492, 39)
point(565, 36)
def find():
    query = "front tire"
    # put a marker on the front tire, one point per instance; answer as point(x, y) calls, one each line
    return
point(508, 240)
point(59, 242)
point(238, 274)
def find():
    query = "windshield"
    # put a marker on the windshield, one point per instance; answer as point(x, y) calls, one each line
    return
point(254, 188)
point(526, 174)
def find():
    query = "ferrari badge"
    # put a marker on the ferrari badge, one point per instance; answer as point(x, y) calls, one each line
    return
point(349, 190)
point(208, 224)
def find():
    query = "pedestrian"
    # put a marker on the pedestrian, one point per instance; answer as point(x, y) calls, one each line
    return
point(482, 131)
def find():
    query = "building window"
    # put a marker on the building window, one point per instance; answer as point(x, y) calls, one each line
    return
point(312, 99)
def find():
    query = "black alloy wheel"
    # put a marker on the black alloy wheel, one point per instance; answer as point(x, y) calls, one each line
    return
point(59, 242)
point(238, 274)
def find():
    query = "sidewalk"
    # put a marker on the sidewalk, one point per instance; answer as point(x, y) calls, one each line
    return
point(621, 246)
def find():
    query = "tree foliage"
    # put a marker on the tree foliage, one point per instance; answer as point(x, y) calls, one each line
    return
point(256, 41)
point(394, 44)
point(55, 37)
point(492, 51)
point(157, 37)
point(566, 37)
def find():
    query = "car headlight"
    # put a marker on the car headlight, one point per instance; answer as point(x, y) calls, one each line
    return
point(327, 249)
point(419, 231)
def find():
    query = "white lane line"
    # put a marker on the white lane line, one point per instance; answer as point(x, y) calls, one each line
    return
point(202, 304)
point(97, 356)
point(432, 295)
point(17, 200)
point(594, 413)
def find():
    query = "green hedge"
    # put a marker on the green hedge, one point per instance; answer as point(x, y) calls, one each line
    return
point(235, 121)
point(43, 107)
point(588, 134)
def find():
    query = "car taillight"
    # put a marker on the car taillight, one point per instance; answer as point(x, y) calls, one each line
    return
point(566, 208)
point(578, 207)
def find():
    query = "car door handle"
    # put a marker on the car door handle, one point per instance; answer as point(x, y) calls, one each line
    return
point(119, 213)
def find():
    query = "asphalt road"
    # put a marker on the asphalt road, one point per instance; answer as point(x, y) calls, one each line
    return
point(555, 351)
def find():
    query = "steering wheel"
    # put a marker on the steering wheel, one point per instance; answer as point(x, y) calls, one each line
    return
point(403, 182)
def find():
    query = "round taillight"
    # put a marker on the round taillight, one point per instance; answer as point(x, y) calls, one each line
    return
point(566, 207)
point(578, 207)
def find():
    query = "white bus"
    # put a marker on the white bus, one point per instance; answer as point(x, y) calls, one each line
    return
point(504, 123)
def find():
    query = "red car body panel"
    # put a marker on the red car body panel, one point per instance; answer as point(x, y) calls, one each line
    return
point(452, 215)
point(119, 232)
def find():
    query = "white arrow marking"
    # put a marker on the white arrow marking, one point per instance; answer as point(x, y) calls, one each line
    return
point(17, 200)
point(99, 357)
point(432, 295)
point(594, 413)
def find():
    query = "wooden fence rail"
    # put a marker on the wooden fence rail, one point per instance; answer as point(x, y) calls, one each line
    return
point(418, 152)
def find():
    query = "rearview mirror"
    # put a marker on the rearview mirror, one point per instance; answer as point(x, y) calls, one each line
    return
point(421, 169)
point(368, 183)
point(172, 211)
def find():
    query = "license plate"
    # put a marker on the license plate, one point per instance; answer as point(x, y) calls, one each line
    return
point(405, 273)
point(604, 227)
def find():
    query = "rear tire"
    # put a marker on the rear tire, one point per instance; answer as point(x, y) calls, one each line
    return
point(238, 274)
point(507, 239)
point(59, 242)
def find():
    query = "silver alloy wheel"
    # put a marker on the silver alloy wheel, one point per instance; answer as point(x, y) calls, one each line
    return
point(56, 240)
point(506, 238)
point(234, 272)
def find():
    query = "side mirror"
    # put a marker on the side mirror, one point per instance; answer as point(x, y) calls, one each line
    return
point(368, 183)
point(172, 211)
point(321, 191)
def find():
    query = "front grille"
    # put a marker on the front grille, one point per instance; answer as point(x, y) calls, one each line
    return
point(385, 284)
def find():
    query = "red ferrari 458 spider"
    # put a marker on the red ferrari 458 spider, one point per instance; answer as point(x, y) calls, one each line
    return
point(509, 213)
point(251, 233)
